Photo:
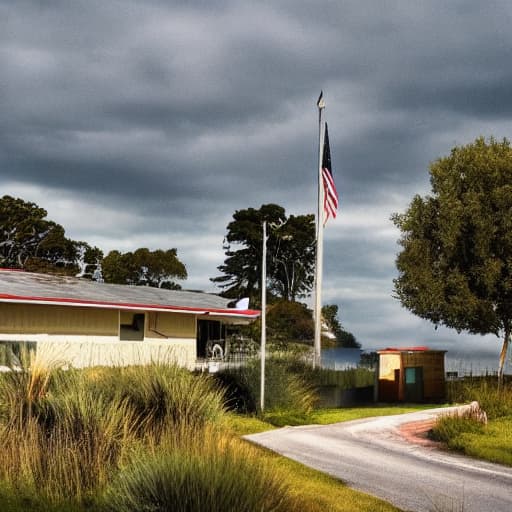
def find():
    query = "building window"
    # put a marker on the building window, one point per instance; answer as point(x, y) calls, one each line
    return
point(131, 326)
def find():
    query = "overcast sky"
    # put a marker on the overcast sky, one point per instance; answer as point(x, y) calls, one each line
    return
point(147, 124)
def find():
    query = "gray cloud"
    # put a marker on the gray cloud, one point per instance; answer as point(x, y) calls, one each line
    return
point(149, 124)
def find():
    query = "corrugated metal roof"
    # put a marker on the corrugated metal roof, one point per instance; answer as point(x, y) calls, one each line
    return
point(16, 286)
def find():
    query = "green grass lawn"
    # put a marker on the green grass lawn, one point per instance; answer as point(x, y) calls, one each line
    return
point(328, 416)
point(243, 425)
point(495, 445)
point(492, 442)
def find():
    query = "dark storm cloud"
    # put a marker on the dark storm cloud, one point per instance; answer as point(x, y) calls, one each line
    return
point(89, 84)
point(162, 118)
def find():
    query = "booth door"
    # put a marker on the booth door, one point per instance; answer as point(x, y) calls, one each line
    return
point(414, 384)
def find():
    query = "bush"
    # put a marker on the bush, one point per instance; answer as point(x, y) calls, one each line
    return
point(239, 395)
point(286, 389)
point(448, 429)
point(162, 394)
point(209, 473)
point(66, 432)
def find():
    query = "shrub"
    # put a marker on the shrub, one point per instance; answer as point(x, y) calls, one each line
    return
point(160, 394)
point(201, 473)
point(69, 443)
point(239, 394)
point(448, 429)
point(285, 388)
point(66, 433)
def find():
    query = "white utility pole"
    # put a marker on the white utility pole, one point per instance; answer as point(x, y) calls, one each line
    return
point(263, 315)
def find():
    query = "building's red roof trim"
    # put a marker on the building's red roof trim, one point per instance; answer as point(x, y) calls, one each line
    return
point(398, 350)
point(404, 349)
point(64, 301)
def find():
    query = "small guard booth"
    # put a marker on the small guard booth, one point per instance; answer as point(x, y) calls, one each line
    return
point(410, 374)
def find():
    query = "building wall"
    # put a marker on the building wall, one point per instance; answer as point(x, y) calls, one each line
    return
point(81, 336)
point(388, 363)
point(432, 363)
point(79, 354)
point(36, 319)
point(392, 369)
point(170, 325)
point(389, 384)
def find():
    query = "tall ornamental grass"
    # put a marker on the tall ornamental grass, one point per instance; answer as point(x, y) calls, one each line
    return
point(286, 390)
point(206, 472)
point(65, 433)
point(158, 394)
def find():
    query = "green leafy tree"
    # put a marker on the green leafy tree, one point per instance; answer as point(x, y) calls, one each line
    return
point(290, 254)
point(290, 321)
point(343, 338)
point(287, 323)
point(292, 259)
point(455, 264)
point(30, 241)
point(144, 267)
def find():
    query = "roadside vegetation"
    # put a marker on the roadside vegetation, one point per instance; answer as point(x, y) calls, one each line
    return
point(291, 387)
point(148, 437)
point(155, 437)
point(468, 435)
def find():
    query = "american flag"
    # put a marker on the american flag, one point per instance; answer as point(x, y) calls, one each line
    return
point(330, 193)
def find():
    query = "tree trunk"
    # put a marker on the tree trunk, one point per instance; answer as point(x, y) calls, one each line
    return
point(503, 356)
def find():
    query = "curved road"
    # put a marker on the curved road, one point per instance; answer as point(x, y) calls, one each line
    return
point(371, 455)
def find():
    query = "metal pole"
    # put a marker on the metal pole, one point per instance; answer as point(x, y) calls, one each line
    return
point(319, 241)
point(263, 315)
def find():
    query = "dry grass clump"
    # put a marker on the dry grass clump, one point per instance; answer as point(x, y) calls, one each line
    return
point(65, 433)
point(196, 473)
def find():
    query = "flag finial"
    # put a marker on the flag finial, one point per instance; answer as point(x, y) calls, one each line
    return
point(321, 103)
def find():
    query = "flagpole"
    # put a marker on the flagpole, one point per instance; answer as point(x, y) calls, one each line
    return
point(319, 239)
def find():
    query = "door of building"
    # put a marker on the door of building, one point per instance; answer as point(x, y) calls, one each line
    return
point(414, 384)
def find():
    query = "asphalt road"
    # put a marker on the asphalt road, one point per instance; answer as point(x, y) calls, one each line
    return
point(371, 455)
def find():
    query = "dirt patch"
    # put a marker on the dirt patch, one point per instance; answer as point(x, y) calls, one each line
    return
point(416, 432)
